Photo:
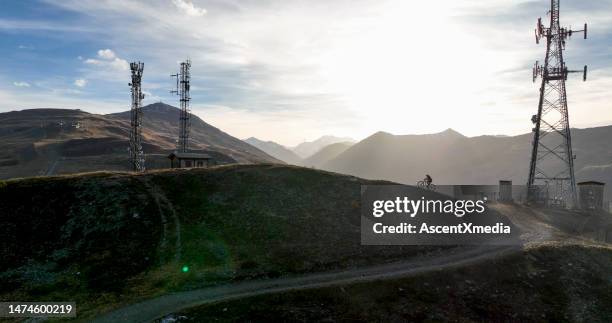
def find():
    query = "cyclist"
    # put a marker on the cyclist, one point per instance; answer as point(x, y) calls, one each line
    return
point(428, 180)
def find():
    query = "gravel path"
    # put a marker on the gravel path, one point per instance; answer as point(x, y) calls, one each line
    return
point(532, 231)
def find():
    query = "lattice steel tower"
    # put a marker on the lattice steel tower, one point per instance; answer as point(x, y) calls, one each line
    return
point(137, 158)
point(183, 77)
point(551, 171)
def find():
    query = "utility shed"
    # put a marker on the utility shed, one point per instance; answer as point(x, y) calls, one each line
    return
point(591, 195)
point(187, 160)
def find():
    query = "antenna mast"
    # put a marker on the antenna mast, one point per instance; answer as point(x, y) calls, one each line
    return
point(183, 77)
point(137, 158)
point(552, 160)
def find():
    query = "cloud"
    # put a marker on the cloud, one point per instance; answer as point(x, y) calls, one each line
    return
point(15, 24)
point(93, 61)
point(21, 84)
point(298, 60)
point(106, 54)
point(108, 58)
point(188, 8)
point(53, 99)
point(80, 82)
point(120, 64)
point(151, 97)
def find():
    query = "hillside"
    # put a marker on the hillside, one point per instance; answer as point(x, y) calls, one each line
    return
point(108, 239)
point(161, 120)
point(59, 141)
point(452, 158)
point(326, 154)
point(545, 284)
point(275, 150)
point(308, 148)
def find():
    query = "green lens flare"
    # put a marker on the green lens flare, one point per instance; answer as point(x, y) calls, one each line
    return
point(185, 269)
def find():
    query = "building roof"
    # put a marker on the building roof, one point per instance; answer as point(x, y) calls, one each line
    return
point(188, 156)
point(592, 183)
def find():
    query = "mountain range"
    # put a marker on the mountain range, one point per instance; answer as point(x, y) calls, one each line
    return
point(57, 141)
point(309, 148)
point(452, 158)
point(275, 150)
point(310, 154)
point(325, 154)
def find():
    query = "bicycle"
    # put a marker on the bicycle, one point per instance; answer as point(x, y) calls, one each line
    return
point(425, 186)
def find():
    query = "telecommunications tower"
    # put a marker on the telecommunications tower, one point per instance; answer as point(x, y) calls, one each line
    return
point(137, 158)
point(551, 171)
point(183, 78)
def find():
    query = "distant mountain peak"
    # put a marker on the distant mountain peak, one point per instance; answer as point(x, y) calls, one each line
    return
point(257, 140)
point(382, 133)
point(160, 106)
point(275, 150)
point(451, 132)
point(309, 148)
point(48, 112)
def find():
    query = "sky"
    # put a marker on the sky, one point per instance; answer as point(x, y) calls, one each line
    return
point(291, 71)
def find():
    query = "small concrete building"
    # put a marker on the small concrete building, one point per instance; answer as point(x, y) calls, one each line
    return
point(187, 160)
point(591, 195)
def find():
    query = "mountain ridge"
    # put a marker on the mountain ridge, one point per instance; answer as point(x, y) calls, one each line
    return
point(275, 150)
point(58, 141)
point(326, 154)
point(452, 158)
point(308, 148)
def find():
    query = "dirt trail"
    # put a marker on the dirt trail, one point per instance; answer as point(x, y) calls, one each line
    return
point(160, 196)
point(158, 307)
point(162, 203)
point(533, 231)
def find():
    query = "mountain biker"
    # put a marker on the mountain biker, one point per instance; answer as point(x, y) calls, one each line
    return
point(428, 180)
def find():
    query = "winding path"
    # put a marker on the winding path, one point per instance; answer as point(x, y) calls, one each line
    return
point(156, 308)
point(162, 201)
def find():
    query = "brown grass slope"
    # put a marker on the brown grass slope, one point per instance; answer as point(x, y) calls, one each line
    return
point(47, 141)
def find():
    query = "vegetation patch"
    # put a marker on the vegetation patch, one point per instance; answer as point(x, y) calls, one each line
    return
point(74, 238)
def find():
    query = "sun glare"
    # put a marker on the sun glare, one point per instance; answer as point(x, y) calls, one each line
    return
point(409, 67)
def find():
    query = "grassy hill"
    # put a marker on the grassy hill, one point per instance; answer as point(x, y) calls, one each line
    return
point(105, 239)
point(108, 239)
